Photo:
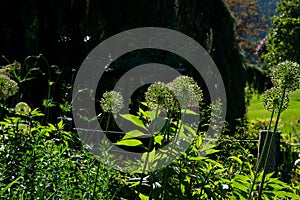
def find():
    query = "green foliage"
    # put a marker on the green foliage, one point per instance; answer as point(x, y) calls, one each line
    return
point(46, 162)
point(283, 39)
point(285, 79)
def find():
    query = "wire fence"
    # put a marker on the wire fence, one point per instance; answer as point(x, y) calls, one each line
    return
point(208, 139)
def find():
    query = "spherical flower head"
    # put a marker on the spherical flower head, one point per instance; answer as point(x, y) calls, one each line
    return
point(23, 129)
point(112, 101)
point(159, 94)
point(22, 108)
point(286, 75)
point(10, 69)
point(186, 91)
point(272, 100)
point(8, 87)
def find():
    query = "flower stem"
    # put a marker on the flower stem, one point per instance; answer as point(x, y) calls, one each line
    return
point(147, 157)
point(264, 149)
point(271, 145)
point(98, 167)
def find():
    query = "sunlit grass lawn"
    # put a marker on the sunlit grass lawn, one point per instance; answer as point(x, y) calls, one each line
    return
point(288, 118)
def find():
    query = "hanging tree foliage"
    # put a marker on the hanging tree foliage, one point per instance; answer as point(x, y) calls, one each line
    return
point(59, 30)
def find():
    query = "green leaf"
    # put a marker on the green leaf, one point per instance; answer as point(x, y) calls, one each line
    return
point(236, 159)
point(60, 125)
point(130, 143)
point(134, 119)
point(133, 134)
point(9, 185)
point(242, 178)
point(189, 112)
point(144, 103)
point(51, 127)
point(206, 147)
point(212, 151)
point(252, 174)
point(276, 186)
point(133, 184)
point(182, 188)
point(241, 197)
point(143, 197)
point(158, 139)
point(151, 156)
point(239, 186)
point(190, 130)
point(197, 158)
point(268, 176)
point(151, 114)
point(198, 142)
point(36, 113)
point(283, 194)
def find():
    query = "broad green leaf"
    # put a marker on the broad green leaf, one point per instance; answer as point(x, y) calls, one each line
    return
point(143, 197)
point(158, 139)
point(134, 119)
point(157, 124)
point(241, 197)
point(276, 186)
point(239, 186)
point(199, 142)
point(148, 155)
point(151, 156)
point(182, 188)
point(152, 114)
point(212, 151)
point(206, 147)
point(214, 163)
point(283, 194)
point(133, 134)
point(190, 130)
point(242, 178)
point(130, 143)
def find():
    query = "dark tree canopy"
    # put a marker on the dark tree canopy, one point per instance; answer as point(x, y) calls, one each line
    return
point(59, 29)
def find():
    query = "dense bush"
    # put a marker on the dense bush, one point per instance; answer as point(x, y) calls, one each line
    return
point(42, 160)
